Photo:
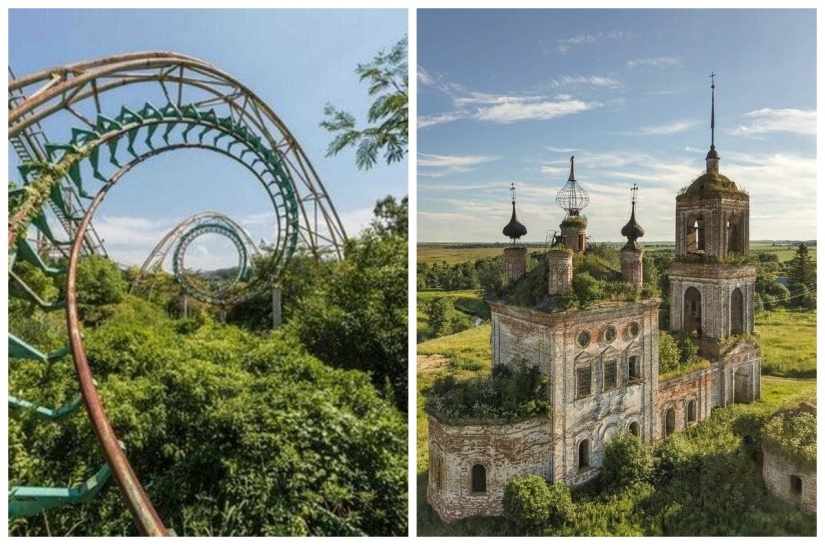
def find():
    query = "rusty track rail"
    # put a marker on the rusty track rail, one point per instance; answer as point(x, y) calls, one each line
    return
point(145, 516)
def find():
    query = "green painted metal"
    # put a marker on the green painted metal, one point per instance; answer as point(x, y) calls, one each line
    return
point(228, 293)
point(27, 501)
point(18, 348)
point(45, 412)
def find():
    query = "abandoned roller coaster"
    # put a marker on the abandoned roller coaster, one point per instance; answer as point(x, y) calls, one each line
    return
point(186, 104)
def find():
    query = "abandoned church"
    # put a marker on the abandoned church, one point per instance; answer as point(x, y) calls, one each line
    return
point(601, 362)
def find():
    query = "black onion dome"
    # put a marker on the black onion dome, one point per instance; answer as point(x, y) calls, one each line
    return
point(514, 229)
point(633, 230)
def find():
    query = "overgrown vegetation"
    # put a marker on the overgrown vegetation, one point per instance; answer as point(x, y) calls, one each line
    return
point(505, 394)
point(792, 434)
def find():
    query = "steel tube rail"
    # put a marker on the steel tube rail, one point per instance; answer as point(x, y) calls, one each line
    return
point(143, 512)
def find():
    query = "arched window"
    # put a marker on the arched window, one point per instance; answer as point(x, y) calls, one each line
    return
point(691, 411)
point(584, 454)
point(670, 422)
point(737, 316)
point(796, 485)
point(479, 478)
point(695, 240)
point(634, 428)
point(734, 235)
point(693, 311)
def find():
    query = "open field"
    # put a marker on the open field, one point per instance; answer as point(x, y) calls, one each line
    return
point(788, 340)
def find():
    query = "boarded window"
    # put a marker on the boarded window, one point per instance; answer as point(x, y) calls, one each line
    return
point(610, 375)
point(796, 485)
point(479, 478)
point(583, 376)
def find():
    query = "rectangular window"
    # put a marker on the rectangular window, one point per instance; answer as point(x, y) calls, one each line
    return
point(583, 382)
point(634, 372)
point(609, 375)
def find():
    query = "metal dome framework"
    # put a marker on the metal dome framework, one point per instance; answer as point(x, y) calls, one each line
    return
point(572, 198)
point(202, 107)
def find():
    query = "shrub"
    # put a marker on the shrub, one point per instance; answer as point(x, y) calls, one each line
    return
point(527, 503)
point(627, 463)
point(668, 353)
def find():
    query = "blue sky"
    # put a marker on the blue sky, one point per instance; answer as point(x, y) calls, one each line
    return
point(509, 95)
point(295, 60)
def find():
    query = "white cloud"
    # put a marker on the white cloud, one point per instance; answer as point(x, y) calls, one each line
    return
point(595, 81)
point(783, 120)
point(668, 128)
point(657, 62)
point(443, 165)
point(512, 112)
point(564, 44)
point(559, 150)
point(430, 120)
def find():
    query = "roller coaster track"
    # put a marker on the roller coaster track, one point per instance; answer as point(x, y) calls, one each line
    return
point(202, 107)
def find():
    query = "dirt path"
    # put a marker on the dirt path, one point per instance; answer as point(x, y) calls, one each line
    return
point(434, 362)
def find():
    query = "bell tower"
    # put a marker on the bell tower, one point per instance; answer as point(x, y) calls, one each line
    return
point(712, 281)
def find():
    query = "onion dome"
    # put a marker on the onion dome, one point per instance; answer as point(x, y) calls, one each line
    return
point(632, 230)
point(572, 198)
point(514, 229)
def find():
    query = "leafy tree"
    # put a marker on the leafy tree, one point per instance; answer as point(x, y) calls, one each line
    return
point(668, 353)
point(627, 463)
point(527, 503)
point(688, 351)
point(801, 268)
point(443, 318)
point(388, 79)
point(99, 282)
point(357, 317)
point(586, 288)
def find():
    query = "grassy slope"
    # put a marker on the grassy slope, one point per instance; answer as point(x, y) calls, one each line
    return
point(788, 339)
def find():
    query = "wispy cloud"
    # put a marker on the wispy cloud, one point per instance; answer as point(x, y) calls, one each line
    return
point(564, 44)
point(559, 150)
point(594, 81)
point(783, 120)
point(437, 166)
point(521, 111)
point(430, 120)
point(666, 129)
point(656, 62)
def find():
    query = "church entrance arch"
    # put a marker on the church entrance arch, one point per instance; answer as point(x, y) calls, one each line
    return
point(741, 386)
point(693, 311)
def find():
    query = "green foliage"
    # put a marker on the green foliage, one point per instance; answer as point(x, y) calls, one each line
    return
point(505, 394)
point(443, 318)
point(801, 268)
point(580, 220)
point(688, 351)
point(99, 284)
point(387, 117)
point(627, 463)
point(531, 288)
point(668, 353)
point(231, 434)
point(587, 289)
point(793, 435)
point(357, 317)
point(527, 503)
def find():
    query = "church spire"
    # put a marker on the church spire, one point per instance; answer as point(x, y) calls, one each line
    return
point(712, 158)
